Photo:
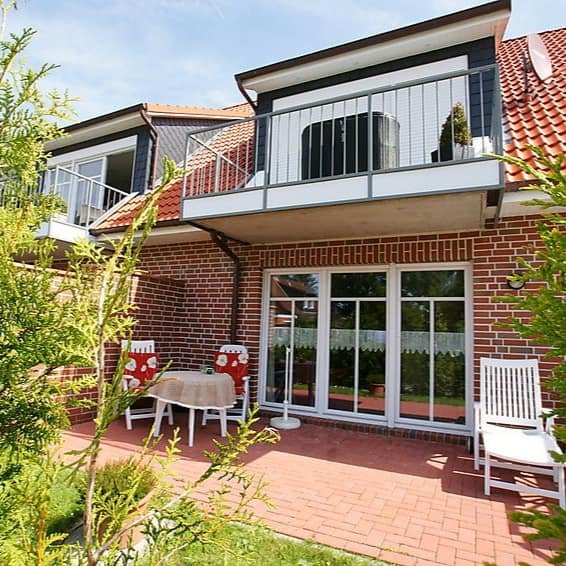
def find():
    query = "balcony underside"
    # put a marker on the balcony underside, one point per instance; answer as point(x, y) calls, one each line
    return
point(416, 215)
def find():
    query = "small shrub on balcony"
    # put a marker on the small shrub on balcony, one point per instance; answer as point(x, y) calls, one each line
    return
point(456, 124)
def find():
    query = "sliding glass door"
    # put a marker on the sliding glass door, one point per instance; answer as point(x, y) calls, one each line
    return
point(356, 373)
point(432, 347)
point(385, 346)
point(293, 328)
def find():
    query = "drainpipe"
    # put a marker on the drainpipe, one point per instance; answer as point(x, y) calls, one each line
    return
point(246, 95)
point(154, 148)
point(222, 242)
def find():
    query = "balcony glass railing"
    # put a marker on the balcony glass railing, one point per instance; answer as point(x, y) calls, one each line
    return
point(441, 119)
point(87, 199)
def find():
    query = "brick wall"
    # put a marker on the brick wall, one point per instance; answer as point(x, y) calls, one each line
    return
point(205, 274)
point(78, 414)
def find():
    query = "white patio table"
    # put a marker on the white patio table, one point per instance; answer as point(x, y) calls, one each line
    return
point(194, 390)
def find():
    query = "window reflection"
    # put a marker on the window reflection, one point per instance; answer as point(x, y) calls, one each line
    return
point(433, 347)
point(293, 316)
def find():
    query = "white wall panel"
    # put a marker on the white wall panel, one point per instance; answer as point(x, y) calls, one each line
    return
point(223, 203)
point(434, 179)
point(323, 192)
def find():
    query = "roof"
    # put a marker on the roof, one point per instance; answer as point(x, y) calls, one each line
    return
point(237, 111)
point(539, 116)
point(486, 20)
point(537, 119)
point(164, 110)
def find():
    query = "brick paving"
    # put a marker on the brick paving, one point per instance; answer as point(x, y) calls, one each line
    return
point(409, 502)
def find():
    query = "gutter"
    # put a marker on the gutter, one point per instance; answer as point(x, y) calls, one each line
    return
point(245, 94)
point(155, 146)
point(222, 242)
point(498, 208)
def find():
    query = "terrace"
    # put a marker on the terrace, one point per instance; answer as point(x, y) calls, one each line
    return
point(421, 164)
point(87, 200)
point(405, 501)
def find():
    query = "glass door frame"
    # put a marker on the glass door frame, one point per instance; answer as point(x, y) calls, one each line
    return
point(392, 416)
point(406, 422)
point(264, 354)
point(324, 375)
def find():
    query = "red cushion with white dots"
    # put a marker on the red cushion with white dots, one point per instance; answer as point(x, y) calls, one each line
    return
point(140, 368)
point(235, 364)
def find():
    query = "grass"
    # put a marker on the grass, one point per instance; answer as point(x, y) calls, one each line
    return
point(66, 505)
point(452, 401)
point(243, 545)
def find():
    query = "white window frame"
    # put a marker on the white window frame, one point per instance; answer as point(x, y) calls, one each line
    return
point(93, 152)
point(393, 324)
point(405, 422)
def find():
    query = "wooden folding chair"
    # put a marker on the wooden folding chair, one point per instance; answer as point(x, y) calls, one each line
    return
point(510, 422)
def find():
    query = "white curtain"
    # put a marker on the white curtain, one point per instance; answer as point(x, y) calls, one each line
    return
point(452, 343)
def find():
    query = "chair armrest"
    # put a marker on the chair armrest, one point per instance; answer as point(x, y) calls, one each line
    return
point(549, 419)
point(477, 414)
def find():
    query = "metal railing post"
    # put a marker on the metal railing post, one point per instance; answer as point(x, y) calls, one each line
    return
point(185, 164)
point(370, 146)
point(56, 184)
point(88, 199)
point(216, 173)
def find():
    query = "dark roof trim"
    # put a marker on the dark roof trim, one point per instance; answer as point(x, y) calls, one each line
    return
point(399, 33)
point(105, 117)
point(116, 229)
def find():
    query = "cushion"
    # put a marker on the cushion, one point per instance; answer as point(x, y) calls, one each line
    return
point(235, 364)
point(140, 368)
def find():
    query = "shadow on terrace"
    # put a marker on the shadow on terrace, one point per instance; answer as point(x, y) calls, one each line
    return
point(401, 500)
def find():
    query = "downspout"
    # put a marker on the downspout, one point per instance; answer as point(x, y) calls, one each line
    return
point(246, 95)
point(154, 148)
point(222, 242)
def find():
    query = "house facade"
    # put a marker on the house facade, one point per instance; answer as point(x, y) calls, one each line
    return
point(354, 230)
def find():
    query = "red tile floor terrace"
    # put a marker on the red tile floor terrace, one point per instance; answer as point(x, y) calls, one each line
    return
point(409, 502)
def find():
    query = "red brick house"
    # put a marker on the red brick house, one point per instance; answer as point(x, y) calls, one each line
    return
point(371, 253)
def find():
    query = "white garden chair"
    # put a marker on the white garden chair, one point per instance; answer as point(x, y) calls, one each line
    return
point(140, 347)
point(233, 359)
point(509, 421)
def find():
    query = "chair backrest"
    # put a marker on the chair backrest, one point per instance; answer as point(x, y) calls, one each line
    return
point(140, 366)
point(510, 393)
point(233, 360)
point(234, 348)
point(139, 345)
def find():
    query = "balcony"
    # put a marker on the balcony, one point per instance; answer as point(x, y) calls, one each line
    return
point(88, 202)
point(360, 165)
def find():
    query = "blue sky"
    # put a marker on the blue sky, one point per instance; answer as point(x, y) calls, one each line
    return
point(115, 53)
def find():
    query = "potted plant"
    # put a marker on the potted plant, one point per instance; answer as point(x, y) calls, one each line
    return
point(455, 137)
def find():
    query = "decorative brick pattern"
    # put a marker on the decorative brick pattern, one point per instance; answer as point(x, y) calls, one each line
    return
point(395, 499)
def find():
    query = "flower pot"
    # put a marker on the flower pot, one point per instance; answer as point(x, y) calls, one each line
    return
point(449, 153)
point(377, 389)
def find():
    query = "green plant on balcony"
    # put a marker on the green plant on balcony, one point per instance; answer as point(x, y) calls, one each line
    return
point(455, 136)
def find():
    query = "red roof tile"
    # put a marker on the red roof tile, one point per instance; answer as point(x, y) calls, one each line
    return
point(539, 116)
point(235, 112)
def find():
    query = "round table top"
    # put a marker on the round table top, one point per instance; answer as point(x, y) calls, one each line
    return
point(195, 389)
